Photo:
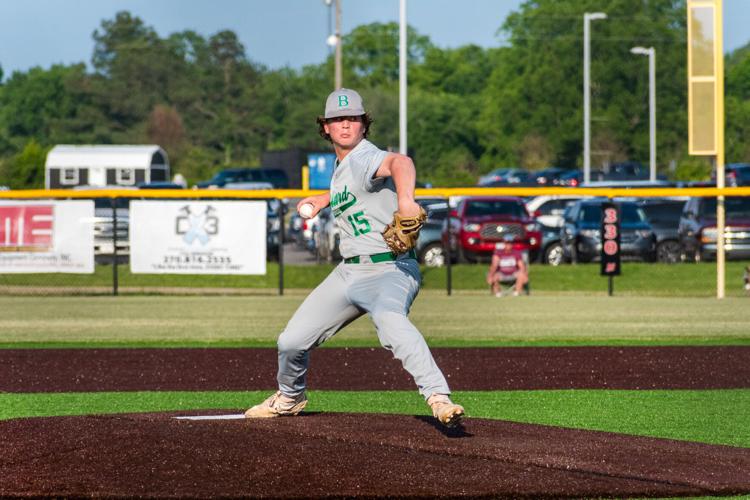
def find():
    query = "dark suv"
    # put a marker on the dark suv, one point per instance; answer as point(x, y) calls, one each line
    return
point(664, 216)
point(478, 223)
point(581, 232)
point(275, 176)
point(697, 231)
point(736, 174)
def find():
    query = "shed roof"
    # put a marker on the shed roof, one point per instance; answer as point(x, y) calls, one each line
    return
point(141, 156)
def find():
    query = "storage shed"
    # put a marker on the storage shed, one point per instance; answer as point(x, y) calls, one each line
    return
point(104, 165)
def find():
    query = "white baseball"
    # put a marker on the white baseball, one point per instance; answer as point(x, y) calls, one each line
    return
point(306, 210)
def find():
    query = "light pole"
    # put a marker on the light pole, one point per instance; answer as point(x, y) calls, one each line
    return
point(402, 57)
point(587, 18)
point(334, 40)
point(651, 53)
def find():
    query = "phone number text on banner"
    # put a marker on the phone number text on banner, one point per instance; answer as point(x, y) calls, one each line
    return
point(207, 237)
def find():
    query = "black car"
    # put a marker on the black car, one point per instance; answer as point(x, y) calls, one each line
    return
point(697, 229)
point(574, 178)
point(274, 176)
point(581, 232)
point(548, 176)
point(664, 216)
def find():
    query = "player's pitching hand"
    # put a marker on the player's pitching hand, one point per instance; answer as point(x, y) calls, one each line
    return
point(408, 208)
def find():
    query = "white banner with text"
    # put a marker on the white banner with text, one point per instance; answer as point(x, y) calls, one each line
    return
point(198, 237)
point(45, 236)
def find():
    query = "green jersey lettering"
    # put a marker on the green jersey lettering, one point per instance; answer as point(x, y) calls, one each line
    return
point(342, 201)
point(359, 223)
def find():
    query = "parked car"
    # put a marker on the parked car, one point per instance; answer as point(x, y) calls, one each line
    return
point(479, 222)
point(430, 244)
point(160, 185)
point(547, 176)
point(697, 229)
point(275, 212)
point(552, 251)
point(626, 171)
point(736, 174)
point(513, 177)
point(104, 230)
point(327, 236)
point(548, 210)
point(581, 232)
point(664, 216)
point(574, 178)
point(275, 176)
point(494, 176)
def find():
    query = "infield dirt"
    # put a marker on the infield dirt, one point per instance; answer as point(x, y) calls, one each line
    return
point(345, 455)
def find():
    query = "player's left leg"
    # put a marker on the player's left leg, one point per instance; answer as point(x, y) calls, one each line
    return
point(386, 291)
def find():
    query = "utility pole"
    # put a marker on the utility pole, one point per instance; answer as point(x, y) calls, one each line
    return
point(338, 78)
point(402, 82)
point(587, 18)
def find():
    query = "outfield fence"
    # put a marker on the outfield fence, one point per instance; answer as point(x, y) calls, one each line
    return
point(112, 271)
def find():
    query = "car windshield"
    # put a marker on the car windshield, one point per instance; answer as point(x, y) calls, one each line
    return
point(230, 176)
point(495, 207)
point(629, 214)
point(663, 212)
point(735, 206)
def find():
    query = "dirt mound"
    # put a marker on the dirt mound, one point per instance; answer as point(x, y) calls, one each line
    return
point(515, 368)
point(316, 455)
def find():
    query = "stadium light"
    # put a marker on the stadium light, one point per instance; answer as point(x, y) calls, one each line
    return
point(651, 53)
point(587, 18)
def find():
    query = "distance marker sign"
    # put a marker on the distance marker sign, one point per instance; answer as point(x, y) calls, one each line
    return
point(610, 240)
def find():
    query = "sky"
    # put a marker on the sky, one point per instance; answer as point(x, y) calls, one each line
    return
point(275, 33)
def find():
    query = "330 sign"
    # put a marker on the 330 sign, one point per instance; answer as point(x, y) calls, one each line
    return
point(610, 256)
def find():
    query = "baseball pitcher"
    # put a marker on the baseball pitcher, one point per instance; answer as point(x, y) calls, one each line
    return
point(372, 199)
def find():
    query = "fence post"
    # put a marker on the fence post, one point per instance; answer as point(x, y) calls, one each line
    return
point(115, 284)
point(447, 253)
point(281, 247)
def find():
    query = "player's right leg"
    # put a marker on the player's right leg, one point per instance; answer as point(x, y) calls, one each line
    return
point(323, 313)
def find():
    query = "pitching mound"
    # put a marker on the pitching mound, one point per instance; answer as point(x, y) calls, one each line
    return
point(346, 455)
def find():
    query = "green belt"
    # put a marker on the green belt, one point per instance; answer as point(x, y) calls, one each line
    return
point(380, 257)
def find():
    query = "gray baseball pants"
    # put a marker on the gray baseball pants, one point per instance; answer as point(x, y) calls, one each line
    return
point(385, 291)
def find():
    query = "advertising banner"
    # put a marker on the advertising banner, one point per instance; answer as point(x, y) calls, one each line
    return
point(198, 237)
point(610, 240)
point(46, 236)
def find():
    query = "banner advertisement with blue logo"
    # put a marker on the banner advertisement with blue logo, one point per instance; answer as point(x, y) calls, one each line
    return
point(47, 236)
point(186, 237)
point(321, 169)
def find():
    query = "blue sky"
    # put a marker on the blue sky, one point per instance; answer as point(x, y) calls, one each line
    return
point(275, 33)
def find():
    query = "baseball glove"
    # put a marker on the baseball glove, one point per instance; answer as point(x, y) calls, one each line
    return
point(402, 233)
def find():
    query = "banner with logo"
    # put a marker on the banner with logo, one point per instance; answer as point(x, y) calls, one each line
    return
point(46, 236)
point(198, 237)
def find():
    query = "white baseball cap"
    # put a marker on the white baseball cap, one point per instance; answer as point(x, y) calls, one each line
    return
point(344, 102)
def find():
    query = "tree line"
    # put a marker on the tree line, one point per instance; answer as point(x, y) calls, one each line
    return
point(471, 109)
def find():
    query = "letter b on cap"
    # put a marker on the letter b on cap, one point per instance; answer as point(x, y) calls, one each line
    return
point(343, 100)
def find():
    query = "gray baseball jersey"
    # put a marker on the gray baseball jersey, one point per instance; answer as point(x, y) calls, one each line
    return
point(363, 206)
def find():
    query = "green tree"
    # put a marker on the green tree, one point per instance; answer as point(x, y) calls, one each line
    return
point(737, 105)
point(26, 169)
point(535, 88)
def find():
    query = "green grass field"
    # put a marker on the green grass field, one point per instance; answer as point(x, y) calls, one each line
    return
point(463, 319)
point(467, 318)
point(680, 280)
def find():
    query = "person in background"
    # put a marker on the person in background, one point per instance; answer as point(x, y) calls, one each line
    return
point(507, 266)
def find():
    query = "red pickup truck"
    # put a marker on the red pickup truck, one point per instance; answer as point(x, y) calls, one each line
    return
point(480, 222)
